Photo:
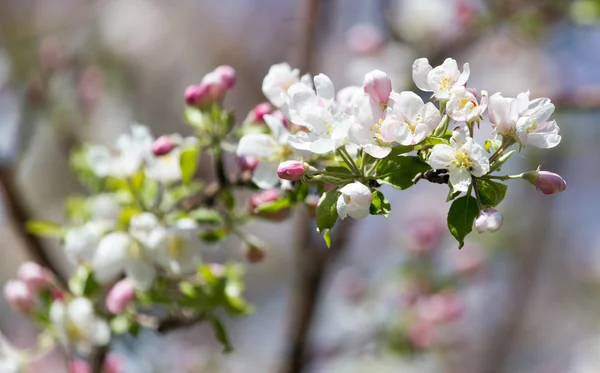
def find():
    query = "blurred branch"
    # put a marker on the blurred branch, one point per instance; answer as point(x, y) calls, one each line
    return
point(97, 359)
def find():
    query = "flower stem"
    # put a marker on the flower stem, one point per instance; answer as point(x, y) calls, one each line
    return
point(476, 190)
point(348, 159)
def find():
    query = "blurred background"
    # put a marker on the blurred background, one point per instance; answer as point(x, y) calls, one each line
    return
point(397, 296)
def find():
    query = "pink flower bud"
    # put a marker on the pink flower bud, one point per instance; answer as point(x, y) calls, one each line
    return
point(291, 170)
point(440, 308)
point(34, 276)
point(260, 110)
point(254, 253)
point(247, 163)
point(79, 366)
point(120, 296)
point(264, 197)
point(378, 85)
point(162, 146)
point(196, 95)
point(113, 364)
point(19, 296)
point(227, 76)
point(421, 334)
point(57, 294)
point(489, 220)
point(545, 181)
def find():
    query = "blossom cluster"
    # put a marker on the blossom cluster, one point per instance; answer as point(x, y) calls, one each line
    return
point(139, 240)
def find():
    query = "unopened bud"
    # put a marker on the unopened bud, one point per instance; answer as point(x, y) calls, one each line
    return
point(19, 296)
point(113, 364)
point(545, 181)
point(378, 85)
point(120, 296)
point(291, 170)
point(34, 276)
point(266, 197)
point(79, 366)
point(196, 95)
point(227, 76)
point(253, 252)
point(162, 146)
point(247, 163)
point(260, 110)
point(489, 220)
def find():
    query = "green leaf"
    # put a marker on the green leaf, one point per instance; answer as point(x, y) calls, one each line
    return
point(194, 117)
point(500, 161)
point(401, 149)
point(77, 209)
point(221, 334)
point(44, 228)
point(491, 193)
point(274, 206)
point(380, 205)
point(188, 162)
point(461, 216)
point(327, 211)
point(137, 181)
point(187, 288)
point(206, 216)
point(327, 237)
point(213, 235)
point(228, 199)
point(339, 170)
point(432, 140)
point(83, 283)
point(487, 145)
point(400, 171)
point(120, 324)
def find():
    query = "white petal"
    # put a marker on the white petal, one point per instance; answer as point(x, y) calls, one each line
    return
point(280, 133)
point(409, 104)
point(140, 273)
point(420, 70)
point(256, 145)
point(451, 69)
point(464, 76)
point(265, 175)
point(108, 260)
point(460, 178)
point(499, 109)
point(301, 141)
point(441, 156)
point(477, 154)
point(322, 145)
point(80, 311)
point(545, 137)
point(377, 151)
point(100, 332)
point(342, 207)
point(324, 88)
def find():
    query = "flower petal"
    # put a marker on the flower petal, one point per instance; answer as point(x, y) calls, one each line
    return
point(460, 178)
point(108, 260)
point(420, 70)
point(140, 273)
point(265, 175)
point(256, 145)
point(441, 156)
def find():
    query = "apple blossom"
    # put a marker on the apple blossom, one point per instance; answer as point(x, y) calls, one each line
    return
point(34, 276)
point(534, 128)
point(504, 112)
point(269, 149)
point(77, 326)
point(461, 158)
point(247, 163)
point(19, 295)
point(277, 81)
point(120, 296)
point(440, 79)
point(408, 120)
point(11, 359)
point(327, 130)
point(176, 247)
point(463, 106)
point(163, 145)
point(354, 201)
point(489, 220)
point(104, 208)
point(545, 181)
point(367, 130)
point(166, 168)
point(378, 86)
point(260, 110)
point(80, 243)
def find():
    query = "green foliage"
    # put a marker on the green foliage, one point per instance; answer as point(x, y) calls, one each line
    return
point(380, 205)
point(44, 228)
point(491, 193)
point(206, 216)
point(188, 161)
point(83, 283)
point(461, 216)
point(327, 211)
point(400, 171)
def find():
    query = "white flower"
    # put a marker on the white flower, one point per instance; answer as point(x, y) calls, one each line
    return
point(463, 105)
point(504, 112)
point(354, 201)
point(11, 359)
point(81, 242)
point(366, 130)
point(176, 248)
point(408, 120)
point(528, 119)
point(120, 252)
point(314, 110)
point(277, 81)
point(130, 152)
point(440, 79)
point(461, 158)
point(166, 168)
point(270, 149)
point(104, 207)
point(77, 326)
point(489, 220)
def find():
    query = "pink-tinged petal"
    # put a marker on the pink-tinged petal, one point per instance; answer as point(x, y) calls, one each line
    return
point(441, 156)
point(464, 76)
point(265, 175)
point(257, 145)
point(409, 103)
point(325, 89)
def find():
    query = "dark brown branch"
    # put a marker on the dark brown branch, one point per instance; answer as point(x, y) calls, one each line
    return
point(97, 359)
point(438, 176)
point(19, 215)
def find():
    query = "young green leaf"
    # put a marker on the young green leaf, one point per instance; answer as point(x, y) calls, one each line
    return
point(491, 193)
point(461, 216)
point(44, 228)
point(206, 216)
point(327, 211)
point(327, 237)
point(221, 334)
point(188, 162)
point(400, 171)
point(380, 205)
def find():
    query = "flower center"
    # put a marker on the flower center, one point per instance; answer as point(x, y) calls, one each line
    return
point(533, 127)
point(446, 83)
point(463, 160)
point(281, 153)
point(73, 331)
point(175, 245)
point(376, 130)
point(135, 250)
